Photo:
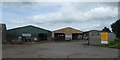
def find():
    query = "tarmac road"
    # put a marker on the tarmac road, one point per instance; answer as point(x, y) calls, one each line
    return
point(74, 49)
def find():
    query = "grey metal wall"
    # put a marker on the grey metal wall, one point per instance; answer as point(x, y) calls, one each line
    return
point(111, 37)
point(96, 39)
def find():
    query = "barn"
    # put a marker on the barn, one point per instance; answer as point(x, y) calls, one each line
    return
point(2, 33)
point(67, 33)
point(29, 33)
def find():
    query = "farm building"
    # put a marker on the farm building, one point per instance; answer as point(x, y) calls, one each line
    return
point(67, 33)
point(94, 37)
point(93, 32)
point(98, 37)
point(28, 33)
point(2, 33)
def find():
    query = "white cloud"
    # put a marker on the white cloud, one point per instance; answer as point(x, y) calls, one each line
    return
point(69, 12)
point(102, 12)
point(60, 0)
point(73, 13)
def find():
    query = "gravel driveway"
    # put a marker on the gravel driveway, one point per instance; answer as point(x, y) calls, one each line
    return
point(75, 49)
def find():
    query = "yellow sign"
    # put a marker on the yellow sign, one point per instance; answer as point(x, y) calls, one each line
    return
point(104, 36)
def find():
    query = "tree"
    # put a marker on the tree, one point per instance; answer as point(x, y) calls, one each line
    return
point(106, 29)
point(116, 28)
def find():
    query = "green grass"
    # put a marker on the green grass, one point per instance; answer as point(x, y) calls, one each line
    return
point(113, 44)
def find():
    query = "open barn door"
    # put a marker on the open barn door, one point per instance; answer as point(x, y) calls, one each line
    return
point(77, 36)
point(59, 36)
point(42, 36)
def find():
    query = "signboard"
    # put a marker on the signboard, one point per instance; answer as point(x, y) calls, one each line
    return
point(26, 34)
point(104, 42)
point(104, 38)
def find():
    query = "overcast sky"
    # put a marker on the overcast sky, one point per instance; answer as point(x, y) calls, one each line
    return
point(55, 15)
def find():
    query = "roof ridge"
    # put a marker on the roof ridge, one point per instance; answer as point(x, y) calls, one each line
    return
point(68, 27)
point(29, 26)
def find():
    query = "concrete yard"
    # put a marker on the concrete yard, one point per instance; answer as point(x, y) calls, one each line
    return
point(74, 49)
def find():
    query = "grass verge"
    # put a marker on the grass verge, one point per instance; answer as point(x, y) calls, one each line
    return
point(113, 44)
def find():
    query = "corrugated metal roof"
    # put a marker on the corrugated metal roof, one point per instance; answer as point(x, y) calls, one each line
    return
point(94, 30)
point(29, 26)
point(68, 28)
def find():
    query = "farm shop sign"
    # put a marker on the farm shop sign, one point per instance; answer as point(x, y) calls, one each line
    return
point(25, 34)
point(104, 37)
